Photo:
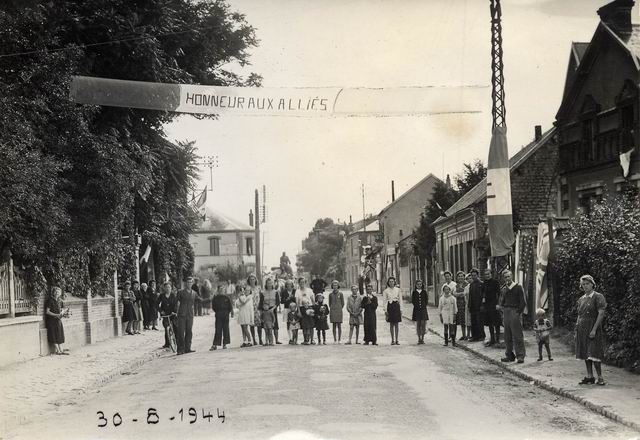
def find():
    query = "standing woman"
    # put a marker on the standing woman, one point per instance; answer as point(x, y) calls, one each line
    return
point(420, 314)
point(370, 304)
point(137, 299)
point(269, 302)
point(459, 294)
point(391, 302)
point(304, 301)
point(254, 291)
point(336, 304)
point(244, 303)
point(53, 315)
point(287, 296)
point(128, 310)
point(152, 304)
point(589, 333)
point(467, 315)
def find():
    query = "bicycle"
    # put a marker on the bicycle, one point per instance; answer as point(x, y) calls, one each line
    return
point(171, 333)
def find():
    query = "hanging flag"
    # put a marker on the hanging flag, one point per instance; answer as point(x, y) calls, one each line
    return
point(625, 161)
point(518, 274)
point(147, 253)
point(199, 204)
point(542, 258)
point(499, 195)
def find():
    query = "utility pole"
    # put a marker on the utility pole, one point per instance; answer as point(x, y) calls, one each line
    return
point(210, 162)
point(257, 239)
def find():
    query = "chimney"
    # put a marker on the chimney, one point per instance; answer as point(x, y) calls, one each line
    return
point(393, 192)
point(617, 15)
point(538, 135)
point(350, 220)
point(448, 182)
point(251, 217)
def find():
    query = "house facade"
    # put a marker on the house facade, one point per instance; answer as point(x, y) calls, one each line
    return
point(398, 221)
point(598, 120)
point(220, 240)
point(462, 240)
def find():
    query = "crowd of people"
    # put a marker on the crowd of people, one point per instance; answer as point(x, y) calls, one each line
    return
point(471, 303)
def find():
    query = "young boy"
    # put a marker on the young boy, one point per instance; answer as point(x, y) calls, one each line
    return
point(542, 326)
point(294, 323)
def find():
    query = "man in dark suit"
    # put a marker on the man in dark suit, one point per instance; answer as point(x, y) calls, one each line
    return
point(475, 306)
point(492, 319)
point(186, 299)
point(513, 304)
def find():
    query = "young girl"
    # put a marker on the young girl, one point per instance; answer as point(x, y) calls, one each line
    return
point(321, 312)
point(448, 308)
point(336, 304)
point(293, 319)
point(542, 326)
point(244, 303)
point(268, 304)
point(354, 308)
point(392, 305)
point(420, 314)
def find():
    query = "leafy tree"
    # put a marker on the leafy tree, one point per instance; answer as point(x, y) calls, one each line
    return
point(76, 179)
point(324, 249)
point(606, 245)
point(471, 175)
point(442, 198)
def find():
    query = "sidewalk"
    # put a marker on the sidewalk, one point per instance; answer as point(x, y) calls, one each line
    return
point(618, 400)
point(39, 386)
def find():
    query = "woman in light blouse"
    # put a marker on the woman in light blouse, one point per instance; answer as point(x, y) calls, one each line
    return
point(392, 304)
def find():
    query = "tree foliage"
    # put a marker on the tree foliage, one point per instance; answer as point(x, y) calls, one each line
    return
point(442, 198)
point(606, 245)
point(75, 179)
point(324, 254)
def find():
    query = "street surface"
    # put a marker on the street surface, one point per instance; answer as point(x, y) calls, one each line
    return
point(322, 392)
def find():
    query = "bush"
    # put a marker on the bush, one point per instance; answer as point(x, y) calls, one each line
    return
point(606, 245)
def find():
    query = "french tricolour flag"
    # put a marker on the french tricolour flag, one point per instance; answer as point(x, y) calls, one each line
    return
point(499, 195)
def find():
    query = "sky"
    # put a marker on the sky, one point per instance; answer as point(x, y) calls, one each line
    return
point(314, 167)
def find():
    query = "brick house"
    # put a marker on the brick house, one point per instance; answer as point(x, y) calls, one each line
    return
point(462, 240)
point(598, 119)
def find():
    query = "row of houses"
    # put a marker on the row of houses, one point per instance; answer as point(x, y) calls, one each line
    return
point(590, 150)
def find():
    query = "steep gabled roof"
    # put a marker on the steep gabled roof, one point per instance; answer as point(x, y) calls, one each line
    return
point(429, 176)
point(216, 221)
point(631, 44)
point(479, 192)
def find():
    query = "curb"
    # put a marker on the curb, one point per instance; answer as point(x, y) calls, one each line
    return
point(545, 385)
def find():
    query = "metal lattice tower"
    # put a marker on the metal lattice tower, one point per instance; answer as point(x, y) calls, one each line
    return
point(498, 110)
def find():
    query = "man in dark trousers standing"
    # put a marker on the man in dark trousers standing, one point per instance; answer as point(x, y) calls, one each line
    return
point(221, 305)
point(475, 306)
point(317, 285)
point(186, 299)
point(167, 303)
point(491, 292)
point(513, 304)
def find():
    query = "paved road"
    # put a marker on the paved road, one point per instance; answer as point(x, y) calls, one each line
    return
point(324, 392)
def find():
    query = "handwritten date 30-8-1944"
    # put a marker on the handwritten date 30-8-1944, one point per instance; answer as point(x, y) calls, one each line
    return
point(190, 415)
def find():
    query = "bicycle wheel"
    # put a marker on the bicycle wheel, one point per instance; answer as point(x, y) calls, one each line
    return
point(172, 339)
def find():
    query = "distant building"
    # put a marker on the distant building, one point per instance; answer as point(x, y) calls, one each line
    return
point(397, 221)
point(598, 120)
point(220, 240)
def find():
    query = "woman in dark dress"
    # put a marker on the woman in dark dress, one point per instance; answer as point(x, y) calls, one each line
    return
point(53, 315)
point(589, 333)
point(321, 314)
point(420, 314)
point(461, 300)
point(370, 304)
point(152, 305)
point(128, 310)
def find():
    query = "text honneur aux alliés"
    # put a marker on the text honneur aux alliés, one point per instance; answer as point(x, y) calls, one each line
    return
point(312, 104)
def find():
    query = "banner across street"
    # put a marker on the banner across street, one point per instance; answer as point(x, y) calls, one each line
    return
point(285, 101)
